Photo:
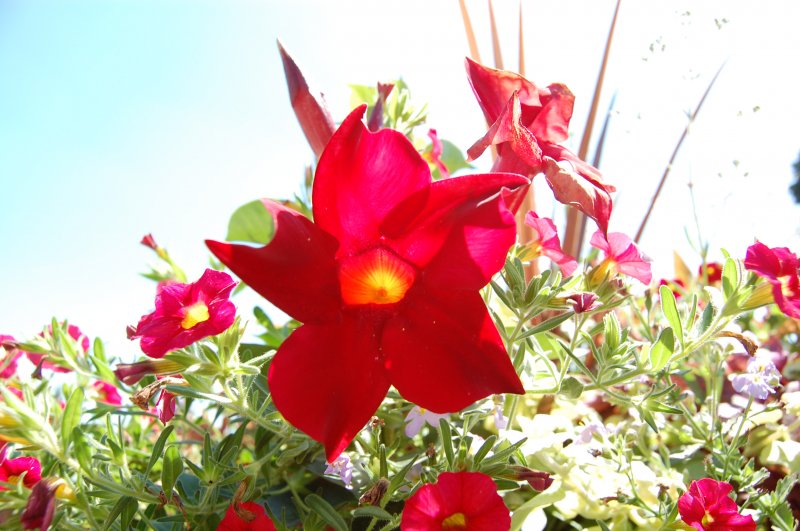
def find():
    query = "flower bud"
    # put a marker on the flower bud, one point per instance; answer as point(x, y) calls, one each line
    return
point(130, 373)
point(539, 481)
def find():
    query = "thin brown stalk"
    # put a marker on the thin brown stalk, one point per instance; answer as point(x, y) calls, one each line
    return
point(473, 44)
point(685, 133)
point(576, 222)
point(498, 56)
point(521, 44)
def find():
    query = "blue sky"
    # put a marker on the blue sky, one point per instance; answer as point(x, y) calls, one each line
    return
point(127, 117)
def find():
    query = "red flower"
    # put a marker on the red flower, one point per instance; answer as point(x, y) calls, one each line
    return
point(675, 286)
point(12, 469)
point(186, 313)
point(528, 122)
point(458, 500)
point(107, 393)
point(779, 266)
point(165, 406)
point(548, 244)
point(434, 156)
point(712, 271)
point(248, 516)
point(76, 334)
point(386, 280)
point(10, 355)
point(41, 506)
point(622, 255)
point(707, 507)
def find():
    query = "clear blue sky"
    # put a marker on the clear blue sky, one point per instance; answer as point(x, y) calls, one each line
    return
point(127, 117)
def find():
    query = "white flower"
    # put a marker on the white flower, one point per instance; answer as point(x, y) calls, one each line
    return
point(759, 380)
point(343, 468)
point(417, 418)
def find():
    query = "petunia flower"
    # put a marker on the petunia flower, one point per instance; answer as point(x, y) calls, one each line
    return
point(760, 379)
point(247, 516)
point(706, 506)
point(186, 313)
point(107, 393)
point(527, 125)
point(458, 500)
point(342, 467)
point(711, 271)
point(10, 355)
point(386, 281)
point(417, 417)
point(622, 256)
point(75, 333)
point(12, 469)
point(547, 243)
point(779, 267)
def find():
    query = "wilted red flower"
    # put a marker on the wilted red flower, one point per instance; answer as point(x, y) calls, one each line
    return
point(41, 506)
point(779, 266)
point(527, 124)
point(248, 516)
point(12, 469)
point(547, 243)
point(706, 506)
point(76, 334)
point(386, 282)
point(458, 500)
point(107, 393)
point(186, 313)
point(9, 355)
point(622, 256)
point(712, 271)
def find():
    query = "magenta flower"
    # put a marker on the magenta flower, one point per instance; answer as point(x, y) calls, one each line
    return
point(584, 301)
point(186, 313)
point(107, 393)
point(76, 334)
point(165, 406)
point(622, 256)
point(706, 506)
point(10, 355)
point(12, 469)
point(434, 156)
point(547, 243)
point(779, 266)
point(417, 417)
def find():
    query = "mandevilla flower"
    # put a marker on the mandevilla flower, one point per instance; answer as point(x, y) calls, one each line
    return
point(458, 500)
point(75, 333)
point(779, 267)
point(527, 124)
point(247, 516)
point(186, 313)
point(417, 417)
point(10, 355)
point(622, 256)
point(760, 379)
point(12, 469)
point(706, 506)
point(386, 282)
point(547, 243)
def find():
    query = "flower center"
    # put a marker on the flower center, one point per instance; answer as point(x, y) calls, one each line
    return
point(455, 521)
point(375, 277)
point(707, 519)
point(193, 315)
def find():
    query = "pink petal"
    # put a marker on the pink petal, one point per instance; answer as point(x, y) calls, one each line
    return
point(552, 121)
point(571, 187)
point(550, 243)
point(493, 88)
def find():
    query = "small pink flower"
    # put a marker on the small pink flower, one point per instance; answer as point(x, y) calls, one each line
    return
point(622, 255)
point(341, 467)
point(165, 406)
point(779, 266)
point(417, 417)
point(186, 313)
point(434, 156)
point(76, 334)
point(12, 469)
point(584, 301)
point(107, 393)
point(547, 243)
point(8, 356)
point(706, 506)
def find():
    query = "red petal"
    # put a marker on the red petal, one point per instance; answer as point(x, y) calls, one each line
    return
point(462, 233)
point(361, 178)
point(475, 495)
point(551, 123)
point(328, 380)
point(443, 351)
point(493, 88)
point(571, 188)
point(313, 115)
point(296, 271)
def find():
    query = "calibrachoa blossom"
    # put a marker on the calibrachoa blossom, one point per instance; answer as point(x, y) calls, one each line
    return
point(107, 393)
point(622, 256)
point(760, 378)
point(584, 301)
point(458, 500)
point(247, 516)
point(341, 467)
point(779, 266)
point(41, 506)
point(706, 506)
point(712, 271)
point(186, 313)
point(76, 334)
point(527, 125)
point(10, 355)
point(386, 281)
point(546, 243)
point(12, 469)
point(417, 417)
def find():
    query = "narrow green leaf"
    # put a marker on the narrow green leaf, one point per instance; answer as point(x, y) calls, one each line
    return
point(128, 512)
point(370, 511)
point(447, 442)
point(81, 449)
point(326, 511)
point(730, 278)
point(670, 308)
point(251, 222)
point(72, 415)
point(158, 448)
point(547, 325)
point(484, 449)
point(115, 511)
point(662, 350)
point(171, 468)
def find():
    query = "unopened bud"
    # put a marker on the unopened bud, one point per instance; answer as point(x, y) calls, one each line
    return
point(539, 481)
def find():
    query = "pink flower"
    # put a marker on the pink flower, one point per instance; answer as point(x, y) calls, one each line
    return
point(12, 469)
point(10, 355)
point(248, 516)
point(186, 313)
point(623, 256)
point(107, 393)
point(584, 301)
point(706, 506)
point(547, 243)
point(434, 156)
point(458, 500)
point(76, 334)
point(417, 417)
point(165, 406)
point(779, 266)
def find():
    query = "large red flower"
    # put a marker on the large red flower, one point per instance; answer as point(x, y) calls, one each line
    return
point(779, 266)
point(186, 313)
point(386, 280)
point(528, 123)
point(12, 469)
point(706, 506)
point(458, 500)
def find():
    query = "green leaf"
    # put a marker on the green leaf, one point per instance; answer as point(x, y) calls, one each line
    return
point(571, 388)
point(326, 511)
point(370, 511)
point(662, 350)
point(158, 448)
point(670, 308)
point(730, 278)
point(447, 442)
point(547, 325)
point(116, 510)
point(171, 468)
point(484, 449)
point(72, 415)
point(81, 449)
point(251, 223)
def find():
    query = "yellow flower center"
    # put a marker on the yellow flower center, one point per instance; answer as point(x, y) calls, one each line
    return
point(375, 277)
point(707, 519)
point(193, 315)
point(455, 521)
